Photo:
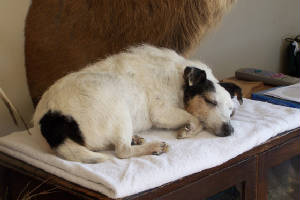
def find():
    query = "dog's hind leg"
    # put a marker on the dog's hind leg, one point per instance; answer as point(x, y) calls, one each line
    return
point(152, 148)
point(72, 151)
point(123, 142)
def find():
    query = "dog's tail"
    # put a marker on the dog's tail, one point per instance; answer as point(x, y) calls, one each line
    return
point(73, 151)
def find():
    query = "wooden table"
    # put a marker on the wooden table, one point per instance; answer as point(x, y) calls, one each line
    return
point(248, 170)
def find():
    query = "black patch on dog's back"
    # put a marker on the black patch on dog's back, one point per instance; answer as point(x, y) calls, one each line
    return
point(56, 127)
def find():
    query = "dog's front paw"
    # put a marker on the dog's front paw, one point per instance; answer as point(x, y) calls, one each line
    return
point(188, 131)
point(158, 148)
point(184, 132)
point(137, 140)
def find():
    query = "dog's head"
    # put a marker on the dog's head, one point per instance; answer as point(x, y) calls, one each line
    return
point(209, 101)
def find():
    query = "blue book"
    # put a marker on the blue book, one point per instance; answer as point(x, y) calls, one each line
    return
point(260, 96)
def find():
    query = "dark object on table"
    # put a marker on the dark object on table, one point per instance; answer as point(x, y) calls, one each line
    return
point(293, 57)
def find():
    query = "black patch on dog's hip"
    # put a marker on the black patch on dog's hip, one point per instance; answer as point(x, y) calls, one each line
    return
point(56, 127)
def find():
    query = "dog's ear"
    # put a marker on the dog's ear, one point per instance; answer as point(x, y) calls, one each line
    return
point(233, 89)
point(193, 76)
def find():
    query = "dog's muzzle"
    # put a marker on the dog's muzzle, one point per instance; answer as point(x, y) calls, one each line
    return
point(226, 130)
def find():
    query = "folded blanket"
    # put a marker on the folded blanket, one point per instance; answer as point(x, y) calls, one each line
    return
point(254, 123)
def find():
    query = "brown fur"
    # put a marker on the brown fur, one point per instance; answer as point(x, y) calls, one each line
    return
point(198, 107)
point(64, 36)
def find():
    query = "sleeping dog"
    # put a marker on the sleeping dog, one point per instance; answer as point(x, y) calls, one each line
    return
point(105, 103)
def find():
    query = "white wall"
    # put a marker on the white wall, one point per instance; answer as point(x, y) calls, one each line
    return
point(12, 70)
point(250, 35)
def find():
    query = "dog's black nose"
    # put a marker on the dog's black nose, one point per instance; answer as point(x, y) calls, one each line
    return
point(227, 129)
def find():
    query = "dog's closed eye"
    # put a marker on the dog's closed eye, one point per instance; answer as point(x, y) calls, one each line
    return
point(210, 101)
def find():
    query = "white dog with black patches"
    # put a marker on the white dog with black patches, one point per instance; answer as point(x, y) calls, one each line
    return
point(104, 104)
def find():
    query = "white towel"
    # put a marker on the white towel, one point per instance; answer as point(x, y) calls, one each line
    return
point(254, 123)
